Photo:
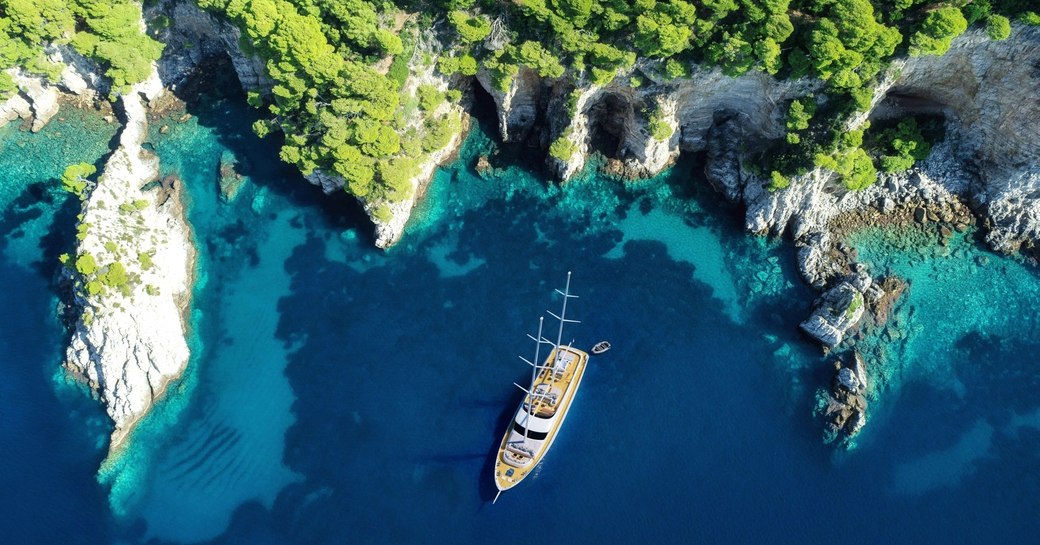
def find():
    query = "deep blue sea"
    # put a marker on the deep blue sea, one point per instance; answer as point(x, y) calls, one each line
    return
point(341, 394)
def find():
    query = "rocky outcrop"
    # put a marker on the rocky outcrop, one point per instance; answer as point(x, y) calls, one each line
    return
point(983, 88)
point(229, 178)
point(519, 106)
point(36, 101)
point(195, 35)
point(621, 114)
point(843, 407)
point(80, 76)
point(132, 275)
point(990, 156)
point(839, 310)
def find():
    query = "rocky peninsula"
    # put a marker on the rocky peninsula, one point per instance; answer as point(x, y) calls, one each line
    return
point(132, 272)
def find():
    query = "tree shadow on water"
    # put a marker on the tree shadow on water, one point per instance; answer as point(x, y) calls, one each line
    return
point(216, 100)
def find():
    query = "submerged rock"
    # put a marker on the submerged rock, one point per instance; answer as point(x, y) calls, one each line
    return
point(483, 167)
point(843, 407)
point(228, 176)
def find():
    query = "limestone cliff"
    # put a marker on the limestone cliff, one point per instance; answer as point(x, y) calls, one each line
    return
point(132, 274)
point(195, 35)
point(985, 89)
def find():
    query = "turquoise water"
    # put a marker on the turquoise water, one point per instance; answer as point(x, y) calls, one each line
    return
point(340, 394)
point(51, 434)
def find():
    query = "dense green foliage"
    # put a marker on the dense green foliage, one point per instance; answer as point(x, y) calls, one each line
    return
point(74, 178)
point(937, 32)
point(107, 31)
point(336, 111)
point(898, 148)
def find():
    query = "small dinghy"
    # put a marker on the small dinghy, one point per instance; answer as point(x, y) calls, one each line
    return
point(601, 347)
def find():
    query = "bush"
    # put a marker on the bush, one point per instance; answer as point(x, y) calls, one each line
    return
point(998, 27)
point(901, 146)
point(439, 132)
point(86, 265)
point(777, 181)
point(74, 178)
point(534, 56)
point(562, 148)
point(429, 97)
point(675, 69)
point(659, 129)
point(114, 276)
point(470, 29)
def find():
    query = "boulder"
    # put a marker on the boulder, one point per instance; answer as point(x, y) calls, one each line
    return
point(837, 312)
point(843, 406)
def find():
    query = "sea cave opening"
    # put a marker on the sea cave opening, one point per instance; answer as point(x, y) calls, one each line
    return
point(607, 120)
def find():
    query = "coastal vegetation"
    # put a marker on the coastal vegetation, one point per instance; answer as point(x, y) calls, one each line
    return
point(74, 178)
point(897, 148)
point(337, 112)
point(335, 109)
point(351, 94)
point(106, 31)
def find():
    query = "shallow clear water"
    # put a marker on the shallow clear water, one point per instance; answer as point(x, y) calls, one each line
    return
point(341, 394)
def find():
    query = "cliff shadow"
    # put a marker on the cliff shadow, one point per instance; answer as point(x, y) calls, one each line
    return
point(214, 97)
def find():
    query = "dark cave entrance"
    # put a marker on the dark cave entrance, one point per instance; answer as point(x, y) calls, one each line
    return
point(900, 103)
point(608, 118)
point(482, 106)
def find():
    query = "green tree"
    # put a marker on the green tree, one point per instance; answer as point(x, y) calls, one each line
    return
point(937, 32)
point(998, 27)
point(74, 178)
point(470, 28)
point(536, 57)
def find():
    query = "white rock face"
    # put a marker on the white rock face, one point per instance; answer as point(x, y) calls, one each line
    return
point(985, 88)
point(517, 108)
point(81, 76)
point(16, 107)
point(837, 312)
point(36, 101)
point(130, 341)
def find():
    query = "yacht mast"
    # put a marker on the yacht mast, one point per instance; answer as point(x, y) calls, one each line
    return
point(566, 293)
point(534, 376)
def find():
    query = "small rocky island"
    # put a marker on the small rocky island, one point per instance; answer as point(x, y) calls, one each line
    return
point(843, 407)
point(131, 275)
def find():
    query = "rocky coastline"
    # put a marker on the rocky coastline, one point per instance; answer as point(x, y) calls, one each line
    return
point(986, 173)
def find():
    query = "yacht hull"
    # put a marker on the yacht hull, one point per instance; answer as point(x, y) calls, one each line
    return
point(509, 471)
